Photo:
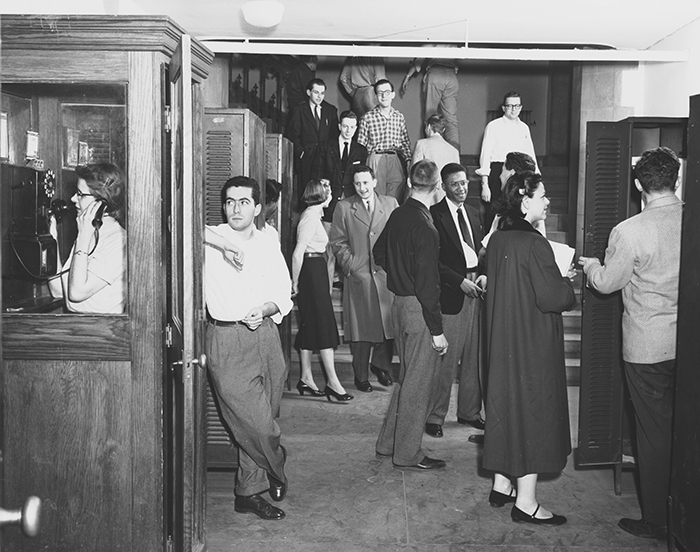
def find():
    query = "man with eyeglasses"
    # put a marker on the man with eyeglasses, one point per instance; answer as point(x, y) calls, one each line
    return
point(462, 284)
point(383, 132)
point(503, 135)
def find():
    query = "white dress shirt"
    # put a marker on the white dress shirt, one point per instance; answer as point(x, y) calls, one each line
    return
point(469, 253)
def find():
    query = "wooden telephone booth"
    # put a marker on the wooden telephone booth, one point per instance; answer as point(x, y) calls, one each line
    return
point(102, 414)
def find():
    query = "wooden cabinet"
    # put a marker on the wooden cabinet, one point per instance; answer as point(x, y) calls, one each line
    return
point(101, 412)
point(612, 148)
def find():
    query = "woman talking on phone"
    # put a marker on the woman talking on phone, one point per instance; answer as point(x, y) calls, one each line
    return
point(93, 277)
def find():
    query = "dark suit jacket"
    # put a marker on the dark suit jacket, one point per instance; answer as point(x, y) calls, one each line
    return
point(451, 261)
point(302, 132)
point(328, 165)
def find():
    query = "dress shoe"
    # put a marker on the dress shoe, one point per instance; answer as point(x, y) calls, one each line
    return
point(498, 500)
point(434, 430)
point(425, 464)
point(478, 423)
point(477, 439)
point(364, 386)
point(383, 456)
point(383, 376)
point(517, 515)
point(278, 489)
point(642, 528)
point(255, 504)
point(340, 397)
point(303, 388)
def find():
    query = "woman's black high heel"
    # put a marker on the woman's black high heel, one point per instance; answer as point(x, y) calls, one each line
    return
point(338, 396)
point(303, 388)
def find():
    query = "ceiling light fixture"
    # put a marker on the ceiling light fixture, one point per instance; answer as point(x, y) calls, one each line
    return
point(263, 13)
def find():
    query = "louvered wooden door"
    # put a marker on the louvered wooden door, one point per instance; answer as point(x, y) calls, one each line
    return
point(608, 179)
point(234, 144)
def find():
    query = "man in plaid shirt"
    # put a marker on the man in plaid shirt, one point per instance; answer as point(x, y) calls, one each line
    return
point(383, 132)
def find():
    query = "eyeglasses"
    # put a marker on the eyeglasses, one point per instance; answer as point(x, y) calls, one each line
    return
point(82, 194)
point(383, 93)
point(513, 106)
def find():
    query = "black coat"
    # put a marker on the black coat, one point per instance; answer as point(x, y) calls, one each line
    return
point(452, 263)
point(328, 165)
point(527, 413)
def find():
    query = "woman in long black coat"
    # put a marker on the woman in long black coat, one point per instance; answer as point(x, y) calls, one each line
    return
point(527, 419)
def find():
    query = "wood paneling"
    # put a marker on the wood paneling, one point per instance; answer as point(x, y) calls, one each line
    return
point(52, 66)
point(74, 422)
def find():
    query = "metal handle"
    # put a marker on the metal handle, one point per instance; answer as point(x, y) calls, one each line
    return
point(201, 361)
point(27, 517)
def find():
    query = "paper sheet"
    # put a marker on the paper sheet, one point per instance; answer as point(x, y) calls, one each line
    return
point(564, 255)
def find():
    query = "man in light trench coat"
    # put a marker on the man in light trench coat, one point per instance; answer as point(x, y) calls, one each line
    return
point(357, 223)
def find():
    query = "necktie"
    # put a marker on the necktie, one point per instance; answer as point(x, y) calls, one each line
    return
point(463, 227)
point(317, 114)
point(344, 158)
point(368, 204)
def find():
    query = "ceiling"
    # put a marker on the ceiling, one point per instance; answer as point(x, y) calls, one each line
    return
point(621, 24)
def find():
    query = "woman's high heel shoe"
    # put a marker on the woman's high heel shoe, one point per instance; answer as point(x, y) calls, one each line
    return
point(303, 388)
point(338, 396)
point(497, 500)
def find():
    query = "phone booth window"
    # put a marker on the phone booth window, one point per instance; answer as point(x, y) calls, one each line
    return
point(63, 199)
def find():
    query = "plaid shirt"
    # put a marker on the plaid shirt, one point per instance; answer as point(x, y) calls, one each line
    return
point(379, 133)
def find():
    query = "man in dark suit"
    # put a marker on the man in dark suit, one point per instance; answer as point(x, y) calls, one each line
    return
point(336, 160)
point(462, 284)
point(312, 122)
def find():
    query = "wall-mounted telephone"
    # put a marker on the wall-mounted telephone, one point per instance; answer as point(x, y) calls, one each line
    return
point(27, 203)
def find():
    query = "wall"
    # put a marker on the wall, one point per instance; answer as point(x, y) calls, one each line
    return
point(667, 86)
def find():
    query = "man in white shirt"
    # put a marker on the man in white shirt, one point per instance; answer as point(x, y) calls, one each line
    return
point(502, 135)
point(247, 291)
point(462, 284)
point(435, 147)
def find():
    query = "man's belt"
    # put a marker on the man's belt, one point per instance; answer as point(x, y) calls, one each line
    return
point(314, 254)
point(475, 269)
point(225, 323)
point(386, 152)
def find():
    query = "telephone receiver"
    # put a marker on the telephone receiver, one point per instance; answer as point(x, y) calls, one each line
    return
point(97, 221)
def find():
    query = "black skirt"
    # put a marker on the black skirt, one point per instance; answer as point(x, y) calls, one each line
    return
point(317, 327)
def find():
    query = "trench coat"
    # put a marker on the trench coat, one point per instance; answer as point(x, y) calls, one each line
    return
point(366, 299)
point(527, 414)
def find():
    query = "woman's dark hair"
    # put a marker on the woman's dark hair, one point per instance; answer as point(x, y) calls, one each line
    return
point(517, 187)
point(315, 193)
point(107, 184)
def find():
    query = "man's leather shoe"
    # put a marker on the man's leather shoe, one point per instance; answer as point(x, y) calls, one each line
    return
point(478, 423)
point(278, 489)
point(364, 386)
point(434, 430)
point(642, 528)
point(255, 504)
point(383, 376)
point(477, 439)
point(425, 464)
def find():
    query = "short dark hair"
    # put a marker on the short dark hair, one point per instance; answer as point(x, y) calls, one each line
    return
point(242, 182)
point(436, 122)
point(450, 169)
point(382, 81)
point(511, 94)
point(313, 81)
point(347, 114)
point(362, 168)
point(518, 162)
point(424, 174)
point(272, 191)
point(106, 183)
point(315, 193)
point(517, 187)
point(657, 170)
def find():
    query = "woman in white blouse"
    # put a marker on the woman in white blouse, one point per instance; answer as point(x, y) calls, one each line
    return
point(317, 328)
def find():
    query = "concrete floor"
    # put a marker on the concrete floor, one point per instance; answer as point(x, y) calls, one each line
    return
point(343, 499)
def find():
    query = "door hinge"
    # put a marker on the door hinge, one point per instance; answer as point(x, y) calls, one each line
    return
point(168, 335)
point(169, 544)
point(167, 119)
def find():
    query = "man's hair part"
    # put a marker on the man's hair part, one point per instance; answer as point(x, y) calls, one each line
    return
point(450, 169)
point(382, 81)
point(361, 169)
point(437, 123)
point(657, 170)
point(242, 182)
point(317, 81)
point(424, 175)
